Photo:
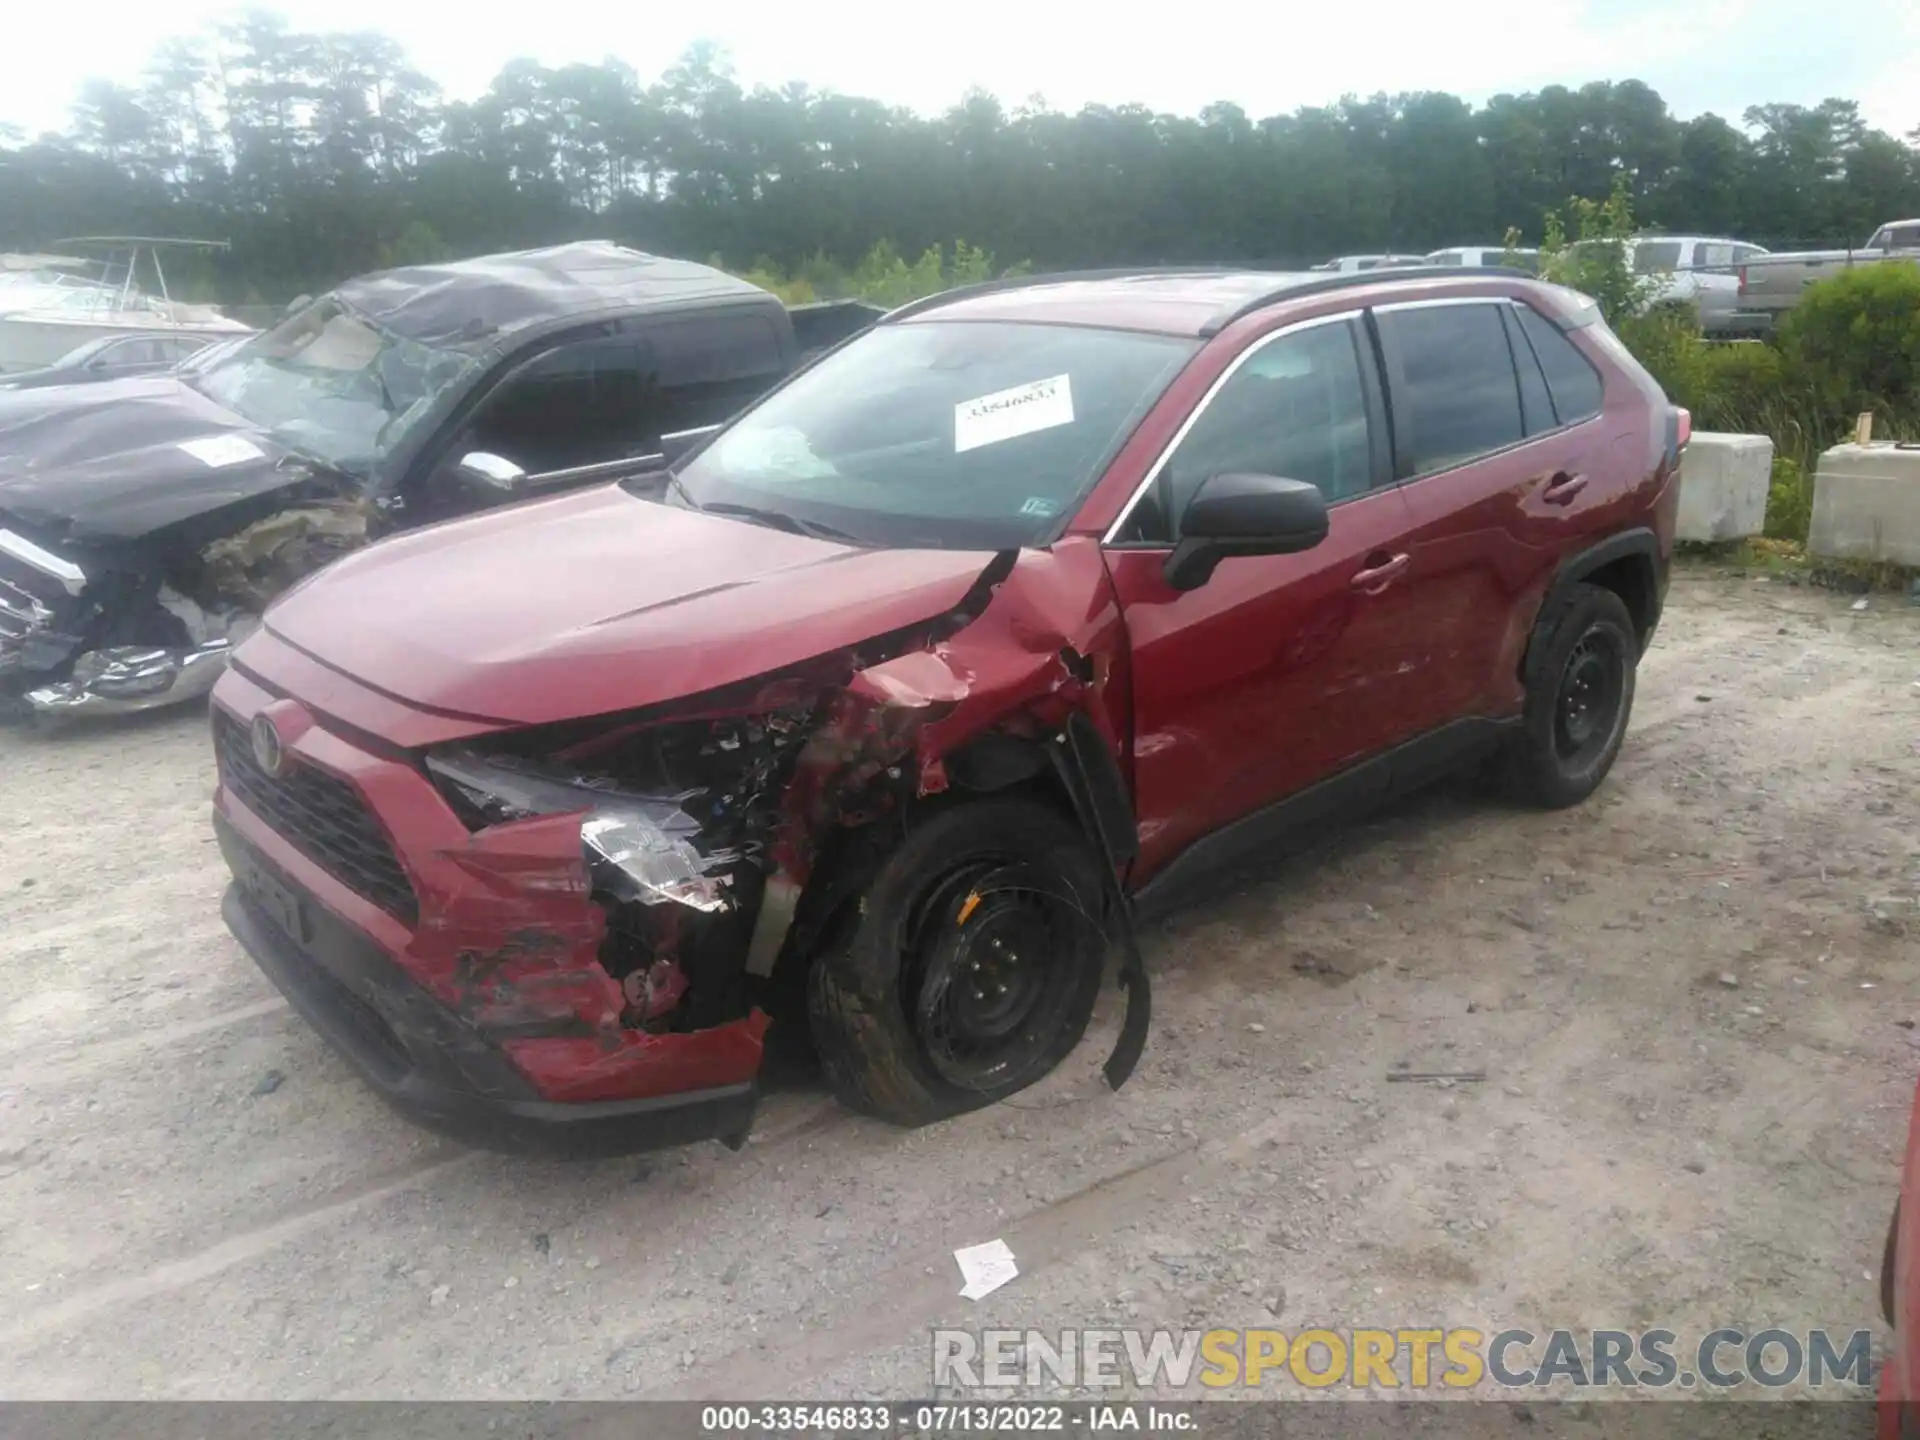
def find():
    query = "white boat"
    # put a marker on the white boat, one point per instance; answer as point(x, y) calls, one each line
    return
point(46, 310)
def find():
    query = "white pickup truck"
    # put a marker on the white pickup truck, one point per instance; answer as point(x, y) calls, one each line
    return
point(1770, 285)
point(1692, 270)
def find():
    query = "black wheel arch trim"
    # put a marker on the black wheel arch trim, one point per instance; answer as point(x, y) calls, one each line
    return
point(1086, 768)
point(1638, 543)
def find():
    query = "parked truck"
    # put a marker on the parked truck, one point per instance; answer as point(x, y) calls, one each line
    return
point(1770, 285)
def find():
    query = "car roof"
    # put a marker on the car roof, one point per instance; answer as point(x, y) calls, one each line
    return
point(1185, 302)
point(469, 304)
point(1165, 302)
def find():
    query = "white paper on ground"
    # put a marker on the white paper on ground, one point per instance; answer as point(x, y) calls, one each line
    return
point(1005, 414)
point(221, 450)
point(985, 1268)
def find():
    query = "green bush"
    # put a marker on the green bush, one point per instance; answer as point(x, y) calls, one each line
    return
point(1585, 249)
point(1789, 500)
point(1855, 341)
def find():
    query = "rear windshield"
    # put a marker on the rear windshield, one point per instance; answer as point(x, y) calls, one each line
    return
point(940, 434)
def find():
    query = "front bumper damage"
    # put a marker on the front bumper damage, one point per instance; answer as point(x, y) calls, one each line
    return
point(428, 1062)
point(127, 679)
point(85, 639)
point(46, 605)
point(471, 998)
point(519, 995)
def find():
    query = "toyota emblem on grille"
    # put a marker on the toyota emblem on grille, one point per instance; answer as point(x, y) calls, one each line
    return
point(267, 750)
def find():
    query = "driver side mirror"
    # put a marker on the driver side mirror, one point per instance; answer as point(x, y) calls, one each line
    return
point(483, 470)
point(1243, 514)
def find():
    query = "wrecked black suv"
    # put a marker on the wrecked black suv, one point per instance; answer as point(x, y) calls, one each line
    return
point(146, 523)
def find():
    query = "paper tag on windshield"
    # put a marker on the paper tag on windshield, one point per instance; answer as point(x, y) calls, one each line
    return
point(1009, 413)
point(222, 450)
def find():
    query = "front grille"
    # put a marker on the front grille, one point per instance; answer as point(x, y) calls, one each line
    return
point(322, 817)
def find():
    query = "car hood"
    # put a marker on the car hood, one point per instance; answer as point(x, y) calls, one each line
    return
point(123, 458)
point(599, 601)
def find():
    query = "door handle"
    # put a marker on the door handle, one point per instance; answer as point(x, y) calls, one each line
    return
point(1377, 577)
point(1562, 488)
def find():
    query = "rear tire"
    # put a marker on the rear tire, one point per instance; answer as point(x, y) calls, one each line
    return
point(971, 969)
point(1577, 705)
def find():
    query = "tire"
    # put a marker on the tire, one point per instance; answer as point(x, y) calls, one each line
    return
point(1577, 705)
point(910, 1014)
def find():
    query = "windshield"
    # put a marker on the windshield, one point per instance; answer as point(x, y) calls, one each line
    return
point(327, 382)
point(940, 434)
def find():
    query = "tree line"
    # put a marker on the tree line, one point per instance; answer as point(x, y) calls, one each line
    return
point(323, 155)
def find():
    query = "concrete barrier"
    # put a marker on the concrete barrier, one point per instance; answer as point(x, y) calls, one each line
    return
point(1866, 504)
point(1723, 486)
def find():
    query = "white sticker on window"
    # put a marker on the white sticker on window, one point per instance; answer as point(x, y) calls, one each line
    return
point(1009, 413)
point(223, 450)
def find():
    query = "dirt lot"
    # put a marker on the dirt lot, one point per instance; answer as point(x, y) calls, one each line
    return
point(1682, 995)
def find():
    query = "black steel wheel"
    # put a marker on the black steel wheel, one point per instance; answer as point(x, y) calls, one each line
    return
point(1578, 701)
point(1587, 705)
point(972, 969)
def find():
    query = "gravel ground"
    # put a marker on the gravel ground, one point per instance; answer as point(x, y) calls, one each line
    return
point(1684, 995)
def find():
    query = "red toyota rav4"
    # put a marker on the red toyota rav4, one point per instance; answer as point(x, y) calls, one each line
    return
point(889, 709)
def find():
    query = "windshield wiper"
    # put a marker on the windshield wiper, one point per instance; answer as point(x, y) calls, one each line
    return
point(779, 519)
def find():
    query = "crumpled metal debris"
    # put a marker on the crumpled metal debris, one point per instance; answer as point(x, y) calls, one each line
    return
point(255, 564)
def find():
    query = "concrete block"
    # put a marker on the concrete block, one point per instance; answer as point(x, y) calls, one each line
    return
point(1723, 486)
point(1866, 504)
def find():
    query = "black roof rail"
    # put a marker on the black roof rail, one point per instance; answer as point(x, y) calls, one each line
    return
point(1316, 286)
point(1354, 280)
point(1057, 277)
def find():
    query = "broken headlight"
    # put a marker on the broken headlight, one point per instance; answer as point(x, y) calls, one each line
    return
point(637, 847)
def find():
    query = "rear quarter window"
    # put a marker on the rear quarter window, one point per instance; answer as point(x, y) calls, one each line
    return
point(1574, 384)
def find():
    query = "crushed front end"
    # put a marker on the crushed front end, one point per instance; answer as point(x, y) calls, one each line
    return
point(572, 937)
point(524, 955)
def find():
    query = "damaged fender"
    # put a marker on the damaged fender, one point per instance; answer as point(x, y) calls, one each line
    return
point(515, 953)
point(1037, 662)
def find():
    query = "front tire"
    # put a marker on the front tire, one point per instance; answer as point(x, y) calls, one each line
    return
point(1577, 704)
point(971, 969)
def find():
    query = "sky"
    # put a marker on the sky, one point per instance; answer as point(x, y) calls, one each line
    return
point(1718, 55)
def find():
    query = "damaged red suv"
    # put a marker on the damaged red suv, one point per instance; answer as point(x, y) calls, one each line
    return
point(891, 707)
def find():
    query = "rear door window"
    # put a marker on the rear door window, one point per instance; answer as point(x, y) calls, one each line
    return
point(1571, 379)
point(1456, 394)
point(578, 404)
point(701, 370)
